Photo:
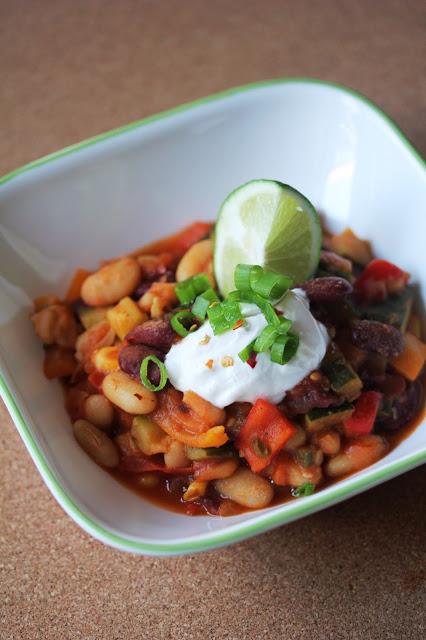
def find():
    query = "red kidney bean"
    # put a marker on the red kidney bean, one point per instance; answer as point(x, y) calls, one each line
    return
point(371, 335)
point(131, 356)
point(167, 276)
point(154, 333)
point(404, 408)
point(329, 289)
point(310, 394)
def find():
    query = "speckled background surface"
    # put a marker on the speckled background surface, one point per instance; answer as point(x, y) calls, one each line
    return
point(73, 69)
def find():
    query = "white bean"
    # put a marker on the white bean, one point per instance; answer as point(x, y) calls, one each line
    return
point(111, 283)
point(196, 260)
point(99, 410)
point(176, 455)
point(128, 394)
point(96, 443)
point(246, 488)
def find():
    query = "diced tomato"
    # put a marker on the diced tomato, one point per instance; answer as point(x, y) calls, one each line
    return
point(96, 379)
point(379, 279)
point(362, 419)
point(264, 433)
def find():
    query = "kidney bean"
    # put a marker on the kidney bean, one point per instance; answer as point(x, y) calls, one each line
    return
point(153, 333)
point(329, 289)
point(378, 337)
point(131, 356)
point(312, 392)
point(404, 408)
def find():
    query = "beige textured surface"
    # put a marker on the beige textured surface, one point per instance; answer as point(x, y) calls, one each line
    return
point(73, 69)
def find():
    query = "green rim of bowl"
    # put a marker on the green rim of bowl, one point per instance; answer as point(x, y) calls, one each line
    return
point(263, 520)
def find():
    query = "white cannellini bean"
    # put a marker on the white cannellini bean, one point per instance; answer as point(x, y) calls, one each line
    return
point(96, 443)
point(99, 410)
point(196, 260)
point(128, 394)
point(111, 283)
point(246, 488)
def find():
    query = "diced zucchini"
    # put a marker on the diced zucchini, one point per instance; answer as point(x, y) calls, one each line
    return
point(202, 454)
point(317, 419)
point(89, 316)
point(343, 379)
point(395, 310)
point(149, 437)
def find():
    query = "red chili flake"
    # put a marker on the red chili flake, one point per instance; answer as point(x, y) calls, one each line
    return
point(209, 363)
point(252, 360)
point(238, 324)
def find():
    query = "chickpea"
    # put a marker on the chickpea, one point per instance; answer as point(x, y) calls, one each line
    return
point(128, 394)
point(111, 283)
point(197, 259)
point(246, 488)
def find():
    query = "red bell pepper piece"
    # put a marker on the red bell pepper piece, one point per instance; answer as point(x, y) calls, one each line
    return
point(379, 279)
point(264, 433)
point(362, 419)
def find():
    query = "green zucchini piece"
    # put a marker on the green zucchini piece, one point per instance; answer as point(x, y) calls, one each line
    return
point(395, 310)
point(343, 379)
point(317, 419)
point(194, 453)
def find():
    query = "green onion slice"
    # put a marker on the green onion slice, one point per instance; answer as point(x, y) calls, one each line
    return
point(265, 339)
point(284, 348)
point(189, 289)
point(306, 489)
point(144, 373)
point(271, 285)
point(182, 321)
point(245, 354)
point(203, 302)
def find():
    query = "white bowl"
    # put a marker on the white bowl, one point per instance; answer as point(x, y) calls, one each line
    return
point(108, 195)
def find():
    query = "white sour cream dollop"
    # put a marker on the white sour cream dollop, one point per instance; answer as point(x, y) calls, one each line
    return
point(221, 385)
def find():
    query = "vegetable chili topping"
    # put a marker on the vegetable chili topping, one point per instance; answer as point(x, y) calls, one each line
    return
point(110, 340)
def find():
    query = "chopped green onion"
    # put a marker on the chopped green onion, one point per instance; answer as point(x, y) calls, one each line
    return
point(245, 275)
point(189, 289)
point(180, 319)
point(284, 326)
point(144, 373)
point(284, 348)
point(245, 354)
point(202, 303)
point(201, 283)
point(271, 285)
point(231, 311)
point(223, 316)
point(265, 339)
point(266, 307)
point(306, 489)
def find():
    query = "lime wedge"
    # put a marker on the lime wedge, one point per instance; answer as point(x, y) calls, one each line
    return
point(267, 223)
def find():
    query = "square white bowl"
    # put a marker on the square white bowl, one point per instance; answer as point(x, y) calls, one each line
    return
point(110, 194)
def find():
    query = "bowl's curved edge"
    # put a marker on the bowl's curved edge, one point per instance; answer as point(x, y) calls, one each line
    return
point(266, 519)
point(206, 100)
point(263, 521)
